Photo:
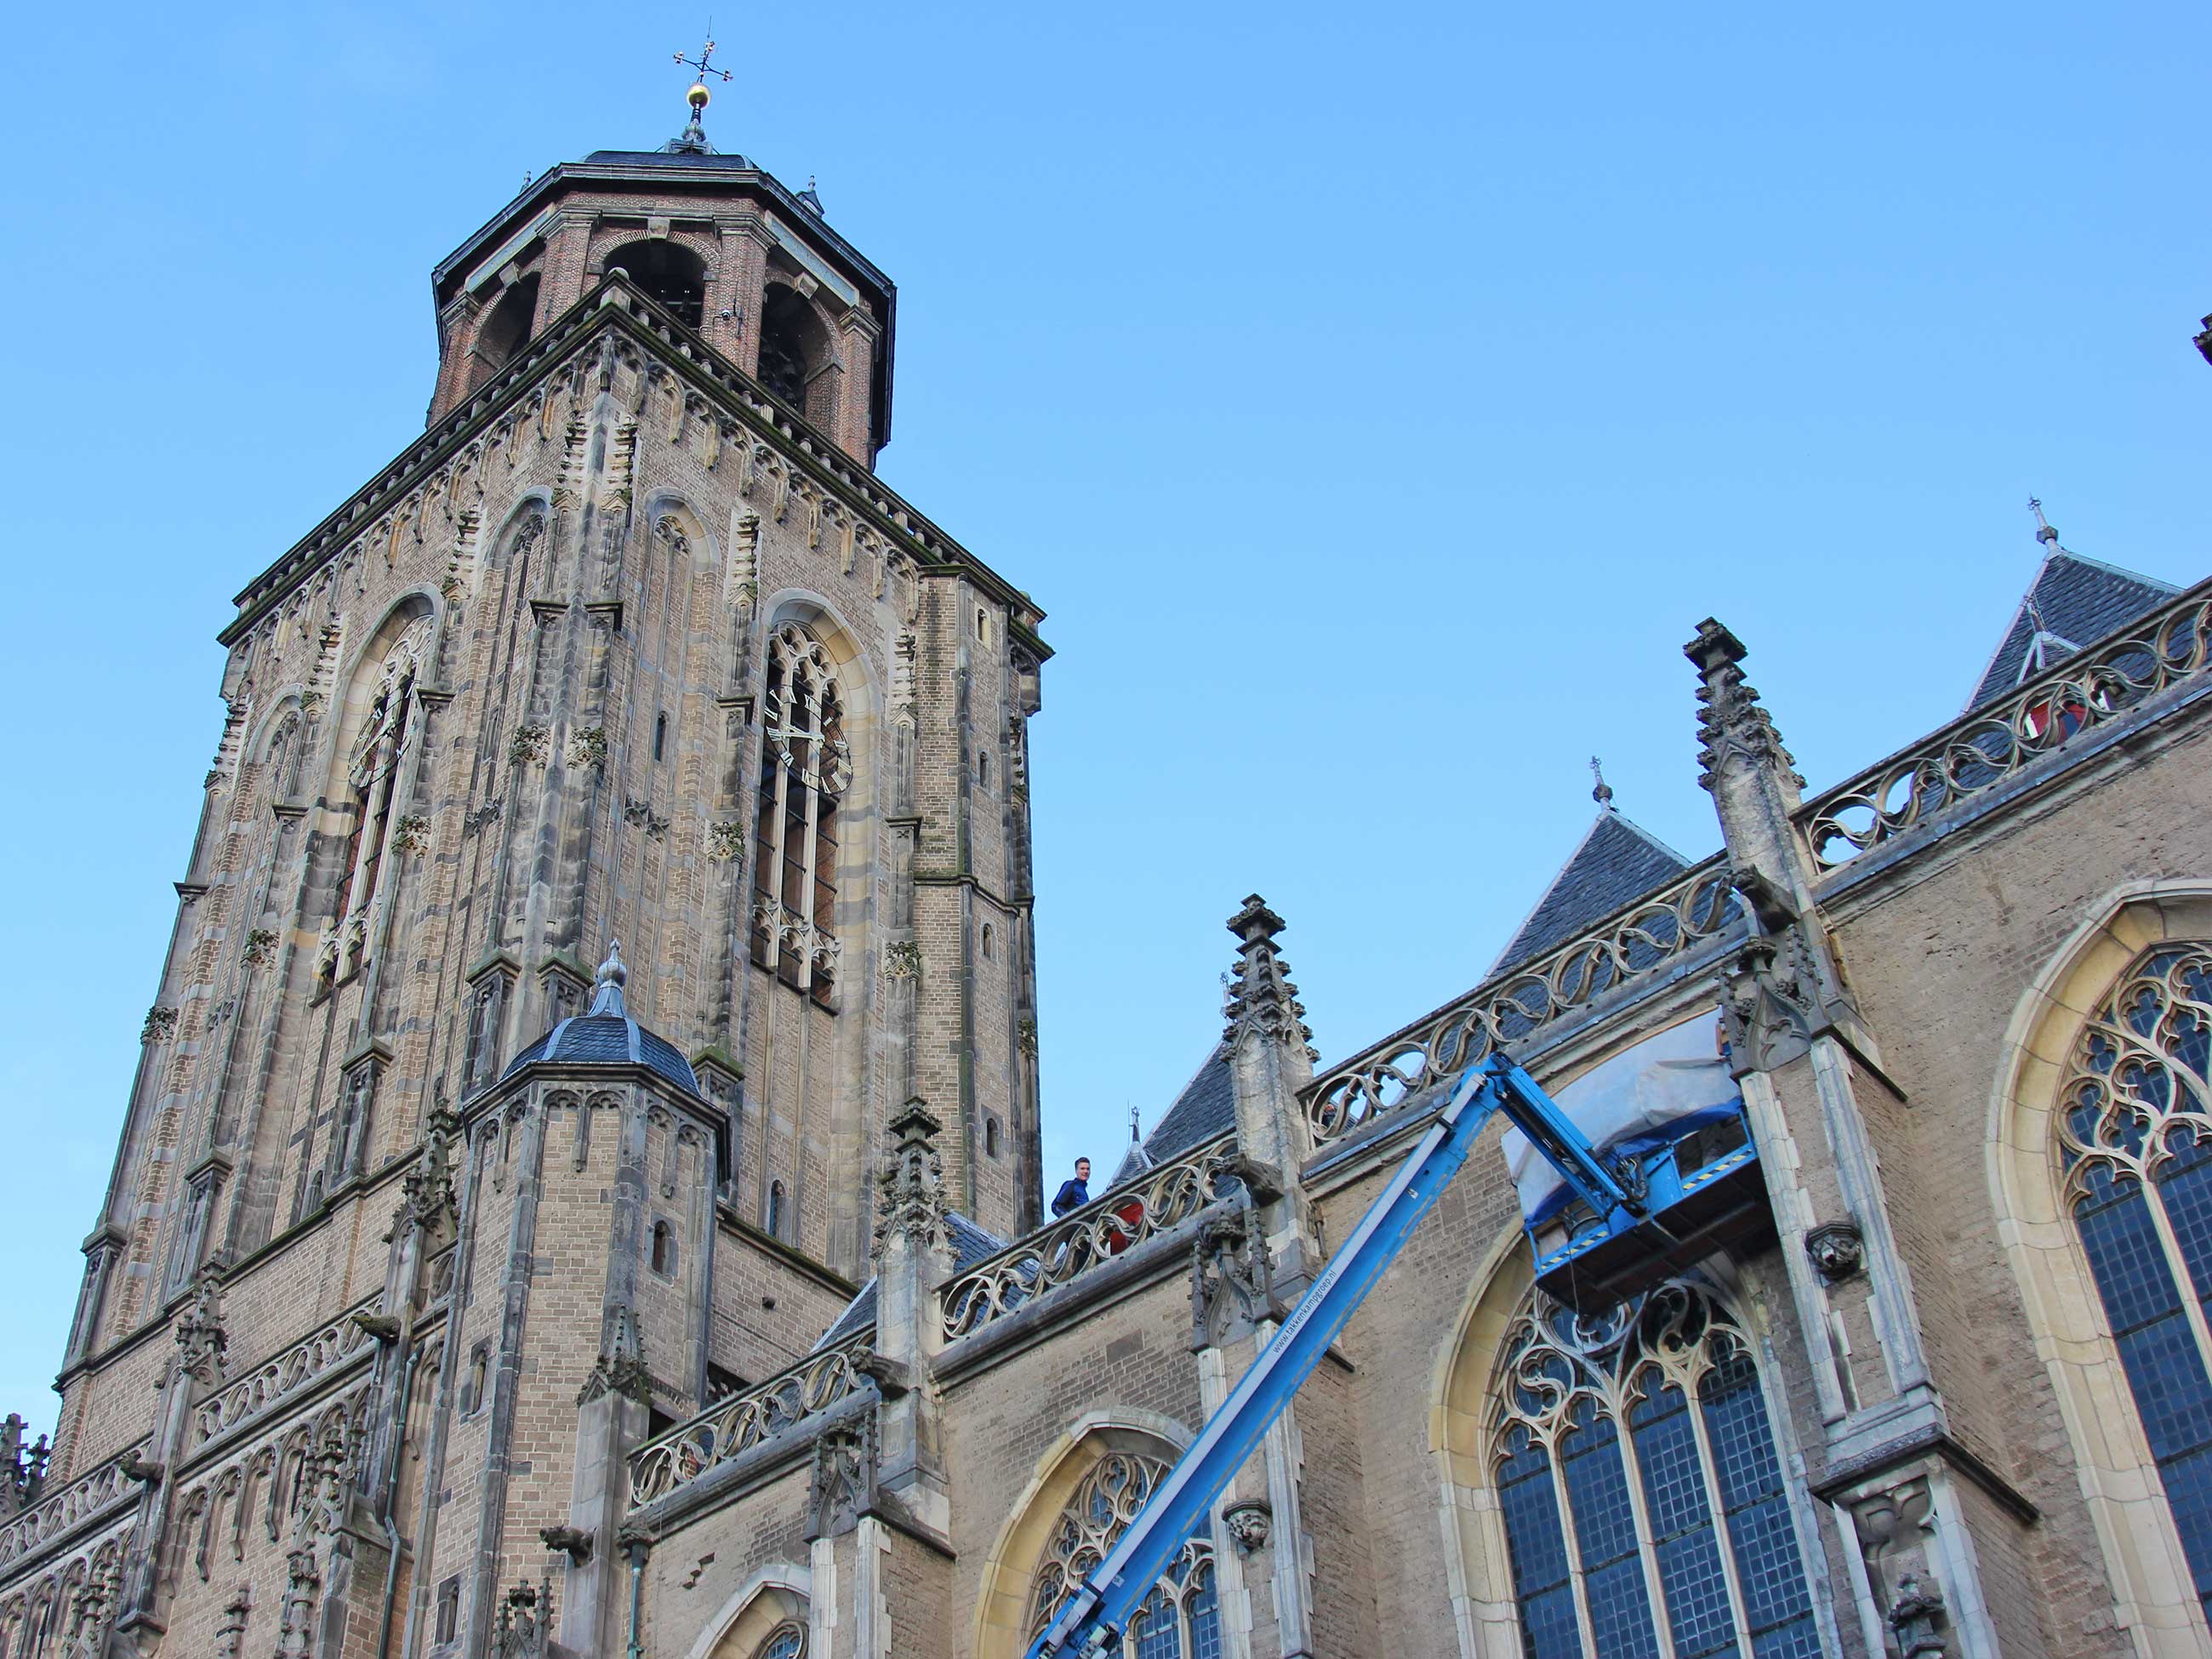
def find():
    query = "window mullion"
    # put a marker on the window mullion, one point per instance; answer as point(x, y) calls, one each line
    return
point(1716, 1505)
point(1631, 1472)
point(1555, 1466)
point(775, 894)
point(2177, 1264)
point(808, 849)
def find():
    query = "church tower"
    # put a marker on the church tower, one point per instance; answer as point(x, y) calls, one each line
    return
point(631, 644)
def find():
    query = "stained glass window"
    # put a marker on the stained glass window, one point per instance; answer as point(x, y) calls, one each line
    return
point(2136, 1148)
point(785, 1641)
point(1182, 1617)
point(1645, 1513)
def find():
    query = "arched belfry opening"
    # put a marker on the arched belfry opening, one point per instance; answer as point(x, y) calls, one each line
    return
point(794, 345)
point(667, 273)
point(505, 329)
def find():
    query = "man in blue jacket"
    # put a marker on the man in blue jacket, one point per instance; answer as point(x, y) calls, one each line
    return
point(1074, 1194)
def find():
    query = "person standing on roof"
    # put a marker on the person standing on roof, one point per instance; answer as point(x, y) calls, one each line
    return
point(1074, 1194)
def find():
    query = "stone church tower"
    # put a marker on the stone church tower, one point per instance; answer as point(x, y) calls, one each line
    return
point(632, 644)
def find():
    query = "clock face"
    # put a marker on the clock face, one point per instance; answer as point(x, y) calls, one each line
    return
point(802, 719)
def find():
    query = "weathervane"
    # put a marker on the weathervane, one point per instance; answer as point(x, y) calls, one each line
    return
point(698, 96)
point(1602, 794)
point(2044, 532)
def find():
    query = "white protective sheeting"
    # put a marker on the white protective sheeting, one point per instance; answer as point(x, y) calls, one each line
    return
point(1673, 1075)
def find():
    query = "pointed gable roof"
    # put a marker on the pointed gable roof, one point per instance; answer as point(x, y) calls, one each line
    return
point(1617, 862)
point(2071, 602)
point(1206, 1108)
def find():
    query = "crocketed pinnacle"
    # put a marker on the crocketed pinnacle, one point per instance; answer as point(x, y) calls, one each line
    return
point(1730, 721)
point(1262, 996)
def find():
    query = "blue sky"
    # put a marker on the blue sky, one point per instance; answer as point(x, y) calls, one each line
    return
point(1376, 403)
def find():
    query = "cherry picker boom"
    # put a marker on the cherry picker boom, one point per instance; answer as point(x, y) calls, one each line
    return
point(1639, 1217)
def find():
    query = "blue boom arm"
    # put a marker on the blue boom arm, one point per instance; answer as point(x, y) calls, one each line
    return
point(1091, 1622)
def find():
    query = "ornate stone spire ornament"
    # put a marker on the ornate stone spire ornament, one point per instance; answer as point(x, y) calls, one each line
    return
point(523, 1621)
point(22, 1469)
point(1262, 997)
point(200, 1338)
point(428, 1202)
point(1730, 719)
point(620, 1367)
point(910, 1192)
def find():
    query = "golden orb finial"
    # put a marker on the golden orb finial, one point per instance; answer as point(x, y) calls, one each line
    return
point(698, 95)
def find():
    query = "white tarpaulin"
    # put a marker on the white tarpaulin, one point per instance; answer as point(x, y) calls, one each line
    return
point(1676, 1073)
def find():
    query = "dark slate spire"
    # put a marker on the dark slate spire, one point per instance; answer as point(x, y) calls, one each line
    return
point(2071, 603)
point(1616, 860)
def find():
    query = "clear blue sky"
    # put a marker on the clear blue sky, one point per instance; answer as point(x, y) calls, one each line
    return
point(1374, 402)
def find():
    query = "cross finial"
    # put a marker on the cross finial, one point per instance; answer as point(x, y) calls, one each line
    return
point(695, 135)
point(2044, 532)
point(1134, 1134)
point(1602, 791)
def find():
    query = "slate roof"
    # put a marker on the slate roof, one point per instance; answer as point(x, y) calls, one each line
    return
point(1617, 862)
point(605, 1034)
point(663, 158)
point(2079, 601)
point(1206, 1108)
point(970, 1244)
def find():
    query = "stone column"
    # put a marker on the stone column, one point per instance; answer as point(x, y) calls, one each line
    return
point(914, 1258)
point(1811, 1076)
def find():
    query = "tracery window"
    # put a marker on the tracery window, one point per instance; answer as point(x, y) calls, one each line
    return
point(1645, 1513)
point(785, 1641)
point(806, 769)
point(2135, 1146)
point(1181, 1617)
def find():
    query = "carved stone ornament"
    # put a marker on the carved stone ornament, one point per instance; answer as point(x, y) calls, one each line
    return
point(160, 1026)
point(1231, 1279)
point(1837, 1250)
point(1262, 998)
point(260, 947)
point(410, 833)
point(910, 1192)
point(427, 1200)
point(524, 1617)
point(1916, 1617)
point(844, 1477)
point(620, 1367)
point(1250, 1525)
point(640, 813)
point(1730, 722)
point(587, 746)
point(200, 1338)
point(527, 747)
point(572, 1541)
point(726, 842)
point(1770, 1003)
point(902, 959)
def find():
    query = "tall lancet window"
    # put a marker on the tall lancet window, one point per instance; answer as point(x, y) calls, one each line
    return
point(2136, 1148)
point(1182, 1617)
point(373, 772)
point(806, 769)
point(1641, 1490)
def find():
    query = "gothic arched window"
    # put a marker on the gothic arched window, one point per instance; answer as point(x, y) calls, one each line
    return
point(785, 1641)
point(1181, 1617)
point(1638, 1480)
point(2136, 1144)
point(806, 769)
